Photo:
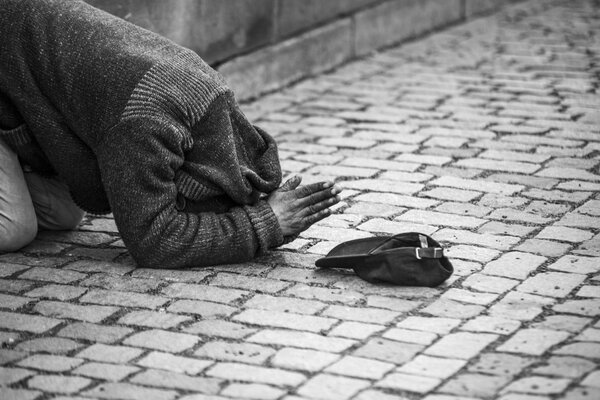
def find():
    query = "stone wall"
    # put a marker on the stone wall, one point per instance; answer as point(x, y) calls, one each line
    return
point(261, 45)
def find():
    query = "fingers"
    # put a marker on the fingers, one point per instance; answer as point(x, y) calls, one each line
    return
point(311, 219)
point(307, 190)
point(318, 197)
point(291, 183)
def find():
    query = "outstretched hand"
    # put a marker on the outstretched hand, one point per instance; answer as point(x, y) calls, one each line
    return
point(298, 207)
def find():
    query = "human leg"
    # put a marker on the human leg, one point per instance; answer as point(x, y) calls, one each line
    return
point(54, 208)
point(18, 224)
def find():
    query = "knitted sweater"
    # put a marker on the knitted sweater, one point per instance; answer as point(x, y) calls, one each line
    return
point(139, 126)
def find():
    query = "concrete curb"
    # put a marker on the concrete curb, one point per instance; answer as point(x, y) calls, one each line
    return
point(337, 42)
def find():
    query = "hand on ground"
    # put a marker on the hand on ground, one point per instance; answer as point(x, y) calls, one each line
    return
point(298, 207)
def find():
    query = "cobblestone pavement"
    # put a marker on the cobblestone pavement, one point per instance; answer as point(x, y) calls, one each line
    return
point(486, 135)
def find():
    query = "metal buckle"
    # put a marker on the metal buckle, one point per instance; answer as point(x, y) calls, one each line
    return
point(417, 253)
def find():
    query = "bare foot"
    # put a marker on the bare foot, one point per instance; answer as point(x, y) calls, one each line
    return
point(297, 208)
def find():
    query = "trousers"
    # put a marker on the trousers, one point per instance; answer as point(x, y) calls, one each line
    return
point(29, 201)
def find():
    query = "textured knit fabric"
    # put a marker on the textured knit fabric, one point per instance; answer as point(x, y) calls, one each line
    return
point(139, 126)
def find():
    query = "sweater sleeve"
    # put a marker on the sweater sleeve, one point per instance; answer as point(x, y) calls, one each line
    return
point(138, 161)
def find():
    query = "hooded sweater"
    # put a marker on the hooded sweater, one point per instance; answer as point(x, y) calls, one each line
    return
point(138, 126)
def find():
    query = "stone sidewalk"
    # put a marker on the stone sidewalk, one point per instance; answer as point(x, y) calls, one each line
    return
point(486, 135)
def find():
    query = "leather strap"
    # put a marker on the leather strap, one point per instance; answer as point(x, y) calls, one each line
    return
point(429, 252)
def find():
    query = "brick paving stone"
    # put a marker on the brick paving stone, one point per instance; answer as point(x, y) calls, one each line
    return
point(18, 394)
point(302, 275)
point(429, 324)
point(517, 265)
point(162, 340)
point(544, 247)
point(325, 294)
point(552, 284)
point(52, 363)
point(8, 356)
point(571, 235)
point(519, 306)
point(13, 302)
point(405, 176)
point(546, 208)
point(474, 385)
point(501, 326)
point(250, 373)
point(562, 322)
point(169, 362)
point(286, 304)
point(532, 341)
point(565, 366)
point(327, 233)
point(508, 214)
point(466, 296)
point(388, 350)
point(359, 367)
point(568, 173)
point(391, 303)
point(49, 345)
point(8, 269)
point(109, 353)
point(58, 383)
point(477, 185)
point(331, 387)
point(285, 320)
point(450, 308)
point(58, 292)
point(494, 200)
point(374, 209)
point(153, 319)
point(393, 227)
point(121, 283)
point(307, 340)
point(368, 315)
point(379, 185)
point(12, 375)
point(15, 286)
point(410, 336)
point(252, 391)
point(473, 253)
point(463, 209)
point(105, 372)
point(51, 275)
point(593, 379)
point(409, 383)
point(396, 200)
point(239, 352)
point(461, 345)
point(487, 283)
point(438, 218)
point(589, 308)
point(452, 194)
point(538, 385)
point(580, 349)
point(500, 364)
point(128, 391)
point(28, 323)
point(434, 367)
point(355, 330)
point(86, 313)
point(588, 291)
point(170, 275)
point(465, 237)
point(557, 195)
point(124, 299)
point(219, 328)
point(203, 292)
point(303, 359)
point(204, 309)
point(168, 379)
point(93, 332)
